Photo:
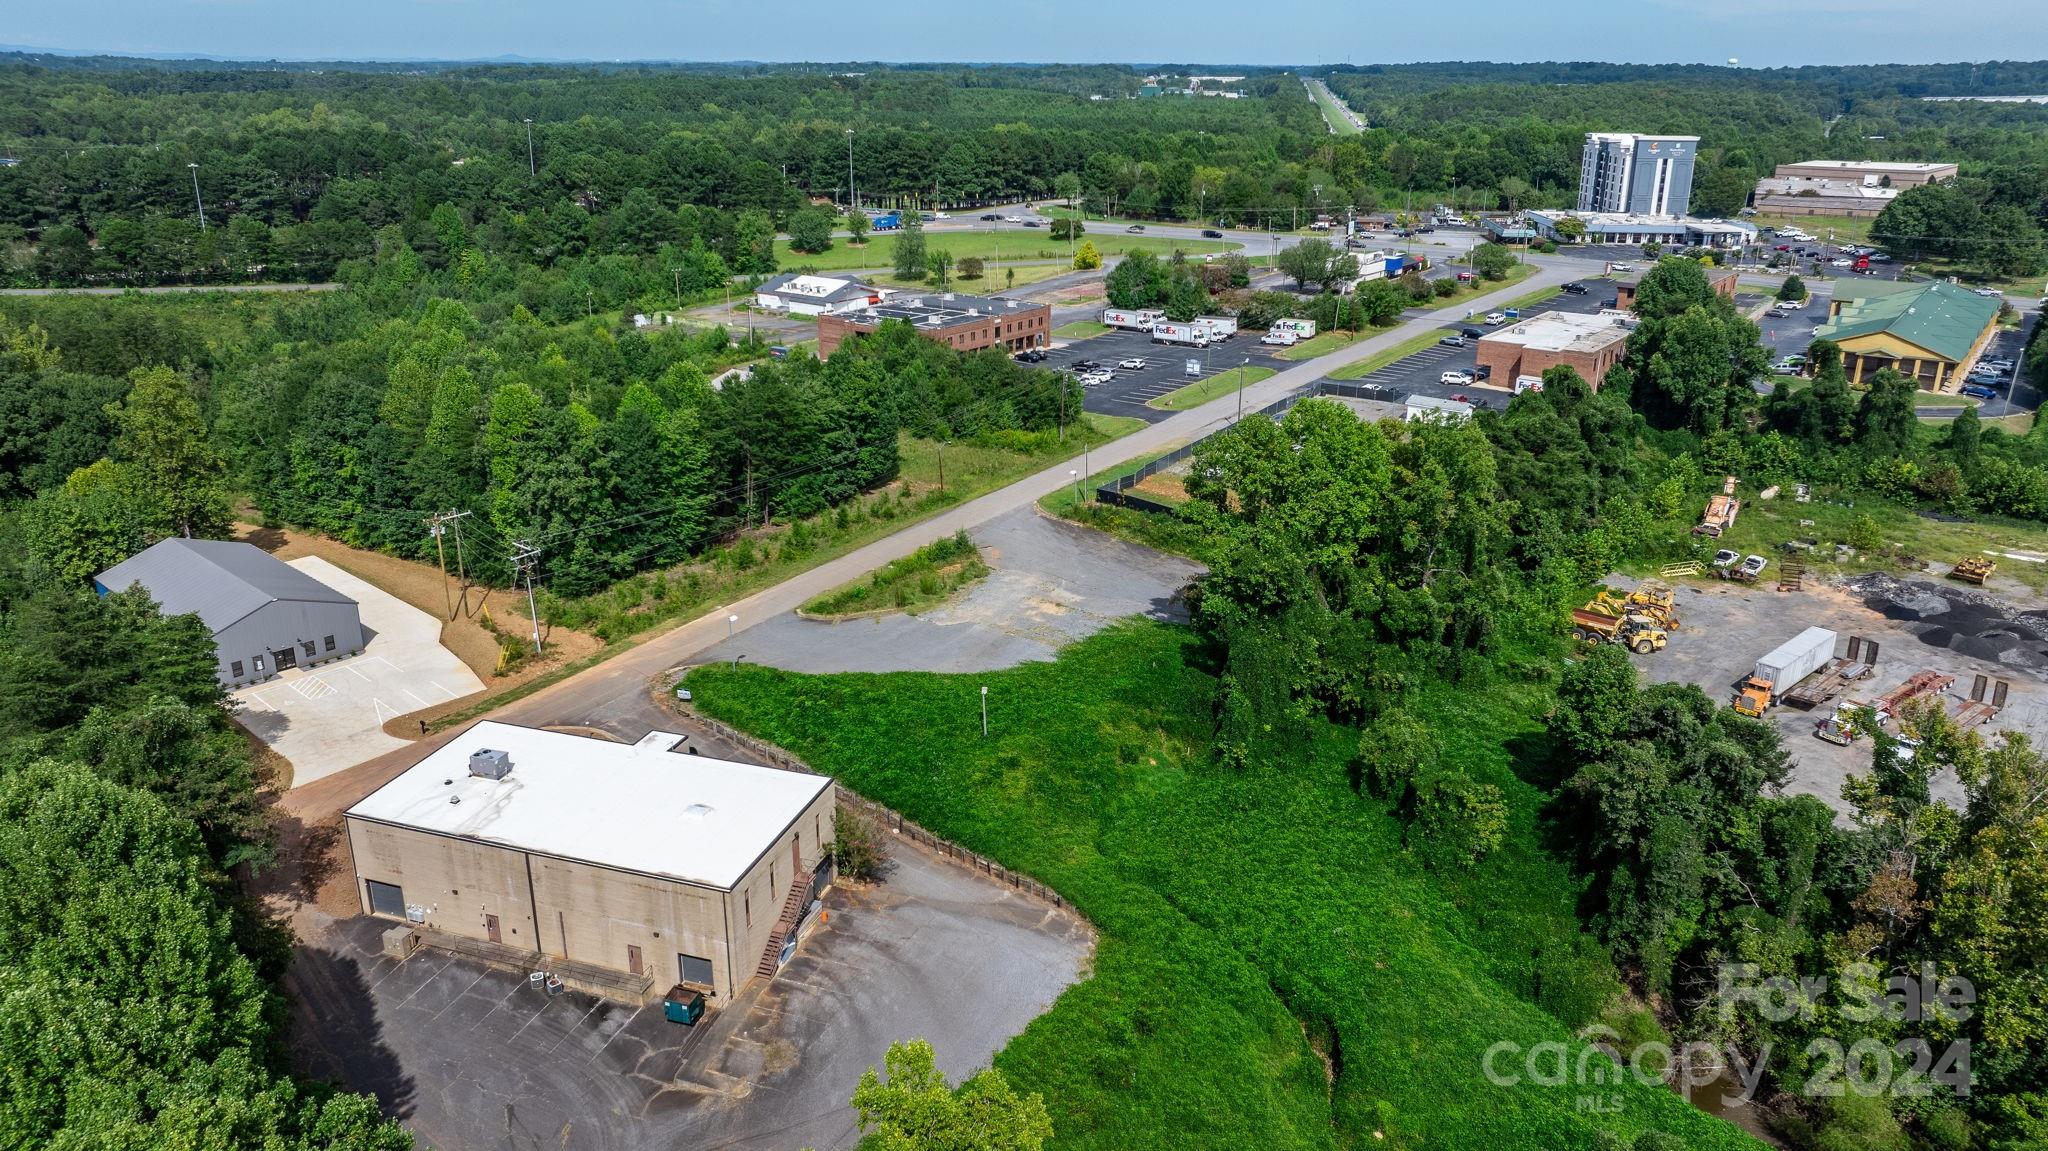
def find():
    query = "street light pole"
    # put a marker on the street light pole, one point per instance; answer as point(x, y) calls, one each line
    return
point(1241, 368)
point(984, 711)
point(852, 195)
point(532, 169)
point(195, 196)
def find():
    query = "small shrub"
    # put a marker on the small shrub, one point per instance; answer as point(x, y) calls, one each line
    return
point(857, 850)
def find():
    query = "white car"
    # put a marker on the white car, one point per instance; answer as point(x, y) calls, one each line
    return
point(1456, 378)
point(1283, 339)
point(1753, 566)
point(1841, 263)
point(1013, 219)
point(1621, 267)
point(1131, 365)
point(1880, 258)
point(1725, 558)
point(1795, 304)
point(1991, 293)
point(1496, 317)
point(1090, 379)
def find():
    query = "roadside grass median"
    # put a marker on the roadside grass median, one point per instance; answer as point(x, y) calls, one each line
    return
point(1320, 344)
point(1080, 330)
point(1480, 287)
point(923, 579)
point(1202, 391)
point(1395, 354)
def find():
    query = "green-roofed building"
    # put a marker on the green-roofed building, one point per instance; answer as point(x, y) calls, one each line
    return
point(1931, 333)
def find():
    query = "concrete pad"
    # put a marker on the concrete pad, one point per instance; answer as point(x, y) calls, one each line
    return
point(331, 716)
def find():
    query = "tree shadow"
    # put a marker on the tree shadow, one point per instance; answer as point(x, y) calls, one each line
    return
point(335, 1033)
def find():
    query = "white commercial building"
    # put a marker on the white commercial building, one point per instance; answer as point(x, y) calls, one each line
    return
point(802, 295)
point(563, 849)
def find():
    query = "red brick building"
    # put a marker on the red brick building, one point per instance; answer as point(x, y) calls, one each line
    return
point(964, 323)
point(1721, 280)
point(1590, 344)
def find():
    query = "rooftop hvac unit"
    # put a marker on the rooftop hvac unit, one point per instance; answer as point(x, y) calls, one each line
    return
point(490, 764)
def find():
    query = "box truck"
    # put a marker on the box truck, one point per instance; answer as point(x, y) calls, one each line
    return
point(1302, 329)
point(1220, 327)
point(1166, 332)
point(1131, 319)
point(1782, 669)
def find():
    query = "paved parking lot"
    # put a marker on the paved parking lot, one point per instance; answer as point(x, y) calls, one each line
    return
point(1165, 368)
point(472, 1057)
point(1420, 374)
point(331, 716)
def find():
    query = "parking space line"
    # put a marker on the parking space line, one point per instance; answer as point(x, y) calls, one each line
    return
point(414, 698)
point(354, 672)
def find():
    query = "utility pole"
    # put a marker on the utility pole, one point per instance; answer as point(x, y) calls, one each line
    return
point(1240, 387)
point(437, 527)
point(532, 169)
point(852, 194)
point(523, 559)
point(195, 196)
point(461, 571)
point(942, 467)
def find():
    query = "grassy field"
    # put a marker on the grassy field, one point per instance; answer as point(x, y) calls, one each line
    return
point(1765, 525)
point(1320, 344)
point(1378, 360)
point(1202, 391)
point(1275, 969)
point(880, 250)
point(996, 279)
point(1080, 330)
point(1846, 229)
point(925, 578)
point(1515, 275)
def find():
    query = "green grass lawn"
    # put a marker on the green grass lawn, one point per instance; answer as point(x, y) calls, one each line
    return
point(923, 579)
point(1202, 391)
point(1846, 229)
point(998, 278)
point(1010, 246)
point(1378, 360)
point(1515, 275)
point(1275, 970)
point(1765, 525)
point(1320, 344)
point(1080, 330)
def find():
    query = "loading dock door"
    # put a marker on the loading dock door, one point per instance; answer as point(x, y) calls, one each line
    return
point(386, 899)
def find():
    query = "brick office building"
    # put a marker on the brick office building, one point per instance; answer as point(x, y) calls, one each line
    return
point(963, 323)
point(1721, 280)
point(1590, 344)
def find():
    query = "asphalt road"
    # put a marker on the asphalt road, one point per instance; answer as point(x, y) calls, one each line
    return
point(1165, 370)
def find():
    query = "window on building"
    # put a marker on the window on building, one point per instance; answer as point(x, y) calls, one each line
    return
point(308, 645)
point(386, 899)
point(691, 969)
point(747, 906)
point(259, 663)
point(235, 669)
point(330, 643)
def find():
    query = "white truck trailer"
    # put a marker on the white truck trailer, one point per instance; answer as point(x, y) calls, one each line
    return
point(1193, 335)
point(1783, 667)
point(1131, 319)
point(1302, 329)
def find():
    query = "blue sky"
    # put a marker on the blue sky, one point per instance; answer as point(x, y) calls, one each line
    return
point(1763, 33)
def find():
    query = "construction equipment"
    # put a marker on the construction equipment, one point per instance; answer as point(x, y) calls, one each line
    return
point(1634, 631)
point(1973, 569)
point(1652, 599)
point(1781, 669)
point(1845, 726)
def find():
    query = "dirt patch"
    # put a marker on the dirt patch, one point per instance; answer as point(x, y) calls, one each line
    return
point(422, 586)
point(1166, 487)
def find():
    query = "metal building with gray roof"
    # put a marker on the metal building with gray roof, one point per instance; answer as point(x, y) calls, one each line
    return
point(265, 615)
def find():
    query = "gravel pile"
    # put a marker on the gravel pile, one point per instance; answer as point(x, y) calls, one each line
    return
point(1966, 622)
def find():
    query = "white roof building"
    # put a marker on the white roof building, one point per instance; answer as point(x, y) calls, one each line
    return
point(636, 807)
point(1439, 411)
point(804, 295)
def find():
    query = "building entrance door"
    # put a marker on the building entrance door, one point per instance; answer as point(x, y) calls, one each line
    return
point(286, 658)
point(491, 929)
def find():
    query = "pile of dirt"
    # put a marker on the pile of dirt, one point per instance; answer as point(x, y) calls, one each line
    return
point(1969, 623)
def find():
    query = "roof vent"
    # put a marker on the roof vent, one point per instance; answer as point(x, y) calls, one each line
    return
point(697, 810)
point(490, 764)
point(947, 297)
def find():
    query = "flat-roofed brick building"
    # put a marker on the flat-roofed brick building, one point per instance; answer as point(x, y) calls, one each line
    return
point(1530, 347)
point(964, 323)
